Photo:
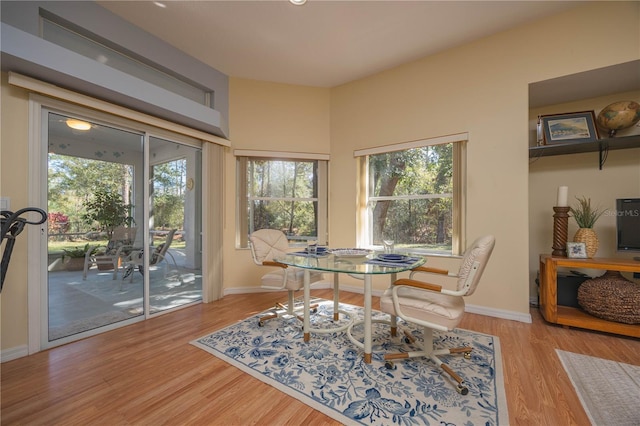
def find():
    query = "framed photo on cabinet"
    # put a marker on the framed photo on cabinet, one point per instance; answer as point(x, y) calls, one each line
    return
point(568, 128)
point(576, 250)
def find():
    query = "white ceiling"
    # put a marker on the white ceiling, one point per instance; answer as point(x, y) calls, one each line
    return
point(324, 43)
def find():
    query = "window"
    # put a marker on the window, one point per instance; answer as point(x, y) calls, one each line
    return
point(411, 194)
point(87, 45)
point(289, 194)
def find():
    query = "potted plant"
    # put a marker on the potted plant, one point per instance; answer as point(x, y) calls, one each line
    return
point(73, 258)
point(585, 217)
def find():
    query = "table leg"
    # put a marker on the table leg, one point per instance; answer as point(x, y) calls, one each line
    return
point(394, 319)
point(367, 319)
point(307, 302)
point(336, 296)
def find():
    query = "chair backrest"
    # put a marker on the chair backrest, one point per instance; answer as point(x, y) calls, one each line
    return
point(473, 263)
point(160, 251)
point(121, 236)
point(266, 244)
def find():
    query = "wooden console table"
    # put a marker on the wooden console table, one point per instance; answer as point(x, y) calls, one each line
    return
point(575, 317)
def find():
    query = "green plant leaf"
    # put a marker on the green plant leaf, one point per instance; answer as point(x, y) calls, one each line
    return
point(585, 215)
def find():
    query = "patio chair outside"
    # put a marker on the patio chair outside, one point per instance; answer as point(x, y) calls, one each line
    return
point(112, 253)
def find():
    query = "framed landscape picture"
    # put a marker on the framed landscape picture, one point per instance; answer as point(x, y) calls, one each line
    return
point(569, 127)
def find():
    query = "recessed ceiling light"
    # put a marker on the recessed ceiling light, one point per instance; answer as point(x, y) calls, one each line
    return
point(78, 124)
point(298, 2)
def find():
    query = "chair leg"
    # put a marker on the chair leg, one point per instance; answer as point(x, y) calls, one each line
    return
point(281, 310)
point(432, 354)
point(461, 387)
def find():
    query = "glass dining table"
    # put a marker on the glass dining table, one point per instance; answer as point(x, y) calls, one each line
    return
point(363, 265)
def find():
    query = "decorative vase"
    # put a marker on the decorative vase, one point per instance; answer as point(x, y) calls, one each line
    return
point(589, 238)
point(104, 266)
point(74, 264)
point(618, 116)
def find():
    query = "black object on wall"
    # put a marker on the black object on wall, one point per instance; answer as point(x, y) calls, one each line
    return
point(12, 226)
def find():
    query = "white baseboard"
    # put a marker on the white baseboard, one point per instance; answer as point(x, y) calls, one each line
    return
point(474, 309)
point(498, 313)
point(14, 353)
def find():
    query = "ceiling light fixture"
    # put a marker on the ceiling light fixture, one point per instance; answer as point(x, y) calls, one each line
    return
point(78, 124)
point(298, 2)
point(159, 4)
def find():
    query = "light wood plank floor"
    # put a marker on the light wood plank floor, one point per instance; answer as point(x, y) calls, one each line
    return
point(149, 374)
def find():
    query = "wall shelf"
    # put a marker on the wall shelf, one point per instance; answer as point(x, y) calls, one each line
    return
point(601, 146)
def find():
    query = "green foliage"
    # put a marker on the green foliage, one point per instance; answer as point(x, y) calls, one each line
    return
point(418, 171)
point(77, 252)
point(584, 215)
point(280, 193)
point(73, 180)
point(169, 211)
point(108, 210)
point(169, 181)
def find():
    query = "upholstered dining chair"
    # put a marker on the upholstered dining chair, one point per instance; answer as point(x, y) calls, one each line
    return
point(433, 307)
point(267, 244)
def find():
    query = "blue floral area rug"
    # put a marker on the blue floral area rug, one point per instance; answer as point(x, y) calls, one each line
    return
point(329, 374)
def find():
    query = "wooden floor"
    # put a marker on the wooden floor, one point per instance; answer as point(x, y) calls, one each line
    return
point(149, 374)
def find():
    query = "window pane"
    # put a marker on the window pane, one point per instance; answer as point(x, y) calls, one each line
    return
point(282, 194)
point(93, 49)
point(280, 179)
point(411, 197)
point(426, 170)
point(294, 218)
point(425, 223)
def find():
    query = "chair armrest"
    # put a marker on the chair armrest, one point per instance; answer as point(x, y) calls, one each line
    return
point(126, 251)
point(96, 250)
point(273, 263)
point(430, 270)
point(418, 284)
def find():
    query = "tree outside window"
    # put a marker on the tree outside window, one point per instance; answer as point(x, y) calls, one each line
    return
point(410, 198)
point(284, 194)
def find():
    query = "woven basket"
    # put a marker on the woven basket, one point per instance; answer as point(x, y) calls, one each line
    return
point(611, 297)
point(590, 239)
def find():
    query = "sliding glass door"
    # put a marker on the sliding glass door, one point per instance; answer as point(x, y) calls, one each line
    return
point(174, 260)
point(124, 225)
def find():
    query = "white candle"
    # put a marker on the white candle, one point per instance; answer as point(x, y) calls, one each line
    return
point(563, 196)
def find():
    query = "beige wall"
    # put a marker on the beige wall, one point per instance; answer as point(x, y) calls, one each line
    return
point(14, 134)
point(480, 88)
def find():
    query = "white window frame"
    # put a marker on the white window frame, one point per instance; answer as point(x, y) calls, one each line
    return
point(243, 158)
point(364, 231)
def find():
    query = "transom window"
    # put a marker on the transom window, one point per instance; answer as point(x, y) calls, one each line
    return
point(289, 194)
point(411, 195)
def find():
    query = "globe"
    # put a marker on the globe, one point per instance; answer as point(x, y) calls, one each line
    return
point(618, 116)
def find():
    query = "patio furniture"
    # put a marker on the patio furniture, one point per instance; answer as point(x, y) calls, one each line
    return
point(111, 254)
point(135, 260)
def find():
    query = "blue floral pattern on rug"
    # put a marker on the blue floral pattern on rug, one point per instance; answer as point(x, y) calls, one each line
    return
point(329, 372)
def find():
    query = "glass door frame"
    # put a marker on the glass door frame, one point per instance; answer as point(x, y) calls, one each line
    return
point(38, 298)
